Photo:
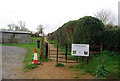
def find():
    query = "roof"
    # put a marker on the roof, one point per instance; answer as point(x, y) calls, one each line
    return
point(17, 32)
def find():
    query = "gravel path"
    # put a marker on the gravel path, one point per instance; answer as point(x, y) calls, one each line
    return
point(12, 62)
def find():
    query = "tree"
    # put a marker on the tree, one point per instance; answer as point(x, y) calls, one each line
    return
point(3, 29)
point(11, 27)
point(106, 16)
point(19, 27)
point(88, 30)
point(40, 29)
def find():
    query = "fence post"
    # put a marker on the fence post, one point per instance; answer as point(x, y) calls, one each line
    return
point(87, 60)
point(46, 50)
point(77, 59)
point(101, 48)
point(82, 59)
point(57, 55)
point(66, 54)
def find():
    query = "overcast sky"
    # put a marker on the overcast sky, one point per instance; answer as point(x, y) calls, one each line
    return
point(50, 13)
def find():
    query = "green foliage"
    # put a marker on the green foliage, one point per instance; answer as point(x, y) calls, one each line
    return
point(111, 39)
point(94, 66)
point(69, 28)
point(88, 30)
point(102, 72)
point(109, 55)
point(64, 33)
point(35, 35)
point(59, 65)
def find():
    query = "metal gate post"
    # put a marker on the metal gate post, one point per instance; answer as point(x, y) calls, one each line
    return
point(57, 55)
point(46, 50)
point(66, 54)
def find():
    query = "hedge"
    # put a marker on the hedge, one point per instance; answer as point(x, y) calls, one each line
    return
point(111, 39)
point(88, 30)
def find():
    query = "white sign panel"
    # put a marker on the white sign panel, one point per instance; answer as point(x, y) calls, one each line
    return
point(41, 34)
point(80, 50)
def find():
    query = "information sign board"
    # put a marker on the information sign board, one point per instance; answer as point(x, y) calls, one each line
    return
point(80, 50)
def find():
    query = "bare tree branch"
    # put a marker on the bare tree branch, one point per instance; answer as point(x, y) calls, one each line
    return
point(20, 27)
point(106, 16)
point(11, 27)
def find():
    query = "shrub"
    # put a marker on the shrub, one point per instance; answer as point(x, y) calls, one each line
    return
point(88, 30)
point(102, 72)
point(111, 39)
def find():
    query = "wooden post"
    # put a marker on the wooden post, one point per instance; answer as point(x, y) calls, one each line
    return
point(101, 48)
point(87, 60)
point(57, 55)
point(102, 58)
point(102, 62)
point(42, 47)
point(82, 58)
point(77, 59)
point(66, 54)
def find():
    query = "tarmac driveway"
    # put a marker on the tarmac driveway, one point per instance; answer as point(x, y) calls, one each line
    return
point(12, 62)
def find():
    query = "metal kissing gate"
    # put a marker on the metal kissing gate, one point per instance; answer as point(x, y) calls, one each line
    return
point(52, 51)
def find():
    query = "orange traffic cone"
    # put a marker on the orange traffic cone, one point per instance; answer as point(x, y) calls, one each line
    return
point(35, 59)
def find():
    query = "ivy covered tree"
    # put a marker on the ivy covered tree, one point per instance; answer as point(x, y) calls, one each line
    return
point(88, 30)
point(69, 28)
point(64, 33)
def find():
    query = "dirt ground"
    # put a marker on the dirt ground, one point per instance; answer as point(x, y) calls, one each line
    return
point(46, 71)
point(49, 71)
